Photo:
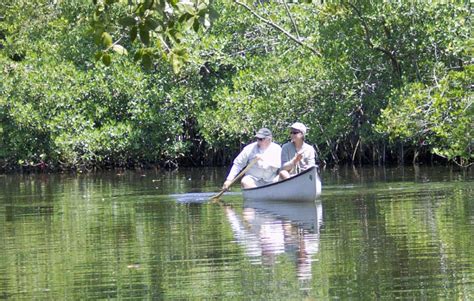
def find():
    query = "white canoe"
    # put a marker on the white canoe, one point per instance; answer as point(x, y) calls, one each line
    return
point(305, 186)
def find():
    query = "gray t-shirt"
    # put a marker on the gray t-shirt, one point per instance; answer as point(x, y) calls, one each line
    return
point(288, 152)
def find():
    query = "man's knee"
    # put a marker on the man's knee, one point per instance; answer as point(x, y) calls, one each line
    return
point(284, 174)
point(248, 182)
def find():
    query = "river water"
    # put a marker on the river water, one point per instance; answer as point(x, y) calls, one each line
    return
point(375, 233)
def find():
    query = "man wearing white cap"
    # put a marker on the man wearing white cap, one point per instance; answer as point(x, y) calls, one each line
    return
point(264, 171)
point(296, 155)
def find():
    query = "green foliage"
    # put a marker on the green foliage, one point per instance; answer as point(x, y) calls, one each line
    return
point(366, 52)
point(159, 27)
point(71, 93)
point(439, 116)
point(78, 118)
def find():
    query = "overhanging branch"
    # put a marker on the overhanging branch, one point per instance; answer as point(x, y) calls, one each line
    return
point(279, 28)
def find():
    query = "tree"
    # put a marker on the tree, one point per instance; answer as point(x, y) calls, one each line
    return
point(438, 116)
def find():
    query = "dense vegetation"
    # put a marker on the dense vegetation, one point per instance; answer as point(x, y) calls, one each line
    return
point(87, 85)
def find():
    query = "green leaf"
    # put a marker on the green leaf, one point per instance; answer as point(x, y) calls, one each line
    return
point(196, 25)
point(106, 39)
point(148, 4)
point(202, 6)
point(178, 57)
point(98, 36)
point(176, 63)
point(190, 22)
point(133, 33)
point(151, 23)
point(189, 9)
point(98, 55)
point(100, 8)
point(127, 21)
point(106, 59)
point(144, 35)
point(138, 55)
point(147, 61)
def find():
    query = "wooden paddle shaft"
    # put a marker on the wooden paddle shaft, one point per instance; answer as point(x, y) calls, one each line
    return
point(237, 177)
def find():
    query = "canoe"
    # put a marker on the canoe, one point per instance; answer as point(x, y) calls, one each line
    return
point(303, 187)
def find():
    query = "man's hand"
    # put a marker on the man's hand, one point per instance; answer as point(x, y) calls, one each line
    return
point(226, 185)
point(297, 158)
point(261, 162)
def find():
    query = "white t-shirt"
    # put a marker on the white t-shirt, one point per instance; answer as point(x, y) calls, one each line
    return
point(265, 169)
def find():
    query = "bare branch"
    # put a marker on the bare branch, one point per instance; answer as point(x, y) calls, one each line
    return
point(279, 28)
point(292, 19)
point(387, 52)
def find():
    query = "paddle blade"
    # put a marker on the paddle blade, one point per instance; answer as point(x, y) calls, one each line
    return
point(217, 196)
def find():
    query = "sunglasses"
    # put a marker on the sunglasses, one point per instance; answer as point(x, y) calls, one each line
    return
point(295, 132)
point(260, 139)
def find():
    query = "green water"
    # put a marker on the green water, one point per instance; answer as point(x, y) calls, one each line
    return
point(375, 233)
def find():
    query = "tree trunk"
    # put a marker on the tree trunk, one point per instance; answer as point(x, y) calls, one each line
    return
point(402, 154)
point(383, 153)
point(355, 152)
point(415, 156)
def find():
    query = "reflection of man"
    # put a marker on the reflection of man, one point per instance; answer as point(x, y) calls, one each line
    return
point(264, 171)
point(262, 237)
point(265, 236)
point(296, 155)
point(308, 245)
point(268, 231)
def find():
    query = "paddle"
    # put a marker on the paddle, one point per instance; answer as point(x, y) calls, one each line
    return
point(217, 196)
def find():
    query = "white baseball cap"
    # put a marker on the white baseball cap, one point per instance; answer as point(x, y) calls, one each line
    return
point(300, 127)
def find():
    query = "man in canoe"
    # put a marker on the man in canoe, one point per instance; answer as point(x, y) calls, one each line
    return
point(263, 158)
point(296, 155)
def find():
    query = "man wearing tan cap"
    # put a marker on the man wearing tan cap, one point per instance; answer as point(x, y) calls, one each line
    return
point(296, 155)
point(267, 163)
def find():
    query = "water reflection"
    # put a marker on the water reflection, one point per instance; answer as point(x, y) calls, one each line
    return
point(388, 234)
point(268, 229)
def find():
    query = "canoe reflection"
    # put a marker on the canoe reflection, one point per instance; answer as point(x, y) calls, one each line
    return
point(269, 229)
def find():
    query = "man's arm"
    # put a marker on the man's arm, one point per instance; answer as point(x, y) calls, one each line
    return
point(286, 163)
point(240, 162)
point(311, 156)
